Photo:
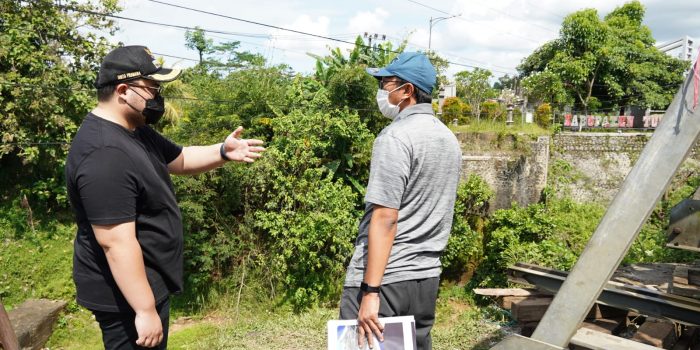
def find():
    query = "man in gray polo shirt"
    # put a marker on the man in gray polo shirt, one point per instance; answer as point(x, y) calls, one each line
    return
point(395, 270)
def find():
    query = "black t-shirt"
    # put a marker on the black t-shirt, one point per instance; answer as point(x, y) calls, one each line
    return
point(115, 176)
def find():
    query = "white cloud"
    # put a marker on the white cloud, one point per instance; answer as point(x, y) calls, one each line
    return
point(292, 48)
point(490, 33)
point(368, 21)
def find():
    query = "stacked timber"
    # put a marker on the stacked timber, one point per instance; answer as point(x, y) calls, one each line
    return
point(605, 326)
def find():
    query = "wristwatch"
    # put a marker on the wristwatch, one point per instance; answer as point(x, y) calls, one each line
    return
point(222, 152)
point(369, 289)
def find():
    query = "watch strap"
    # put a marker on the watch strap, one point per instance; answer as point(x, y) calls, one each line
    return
point(369, 289)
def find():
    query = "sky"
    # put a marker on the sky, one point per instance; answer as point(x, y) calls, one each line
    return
point(491, 34)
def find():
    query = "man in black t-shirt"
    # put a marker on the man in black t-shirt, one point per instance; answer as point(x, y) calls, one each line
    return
point(128, 248)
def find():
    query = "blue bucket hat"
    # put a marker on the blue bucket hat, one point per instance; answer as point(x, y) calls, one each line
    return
point(413, 67)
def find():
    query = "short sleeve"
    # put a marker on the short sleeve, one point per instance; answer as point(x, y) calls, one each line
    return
point(389, 172)
point(108, 186)
point(167, 148)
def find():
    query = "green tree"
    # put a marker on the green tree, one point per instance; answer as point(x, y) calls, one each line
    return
point(606, 62)
point(545, 86)
point(47, 72)
point(360, 55)
point(506, 82)
point(196, 40)
point(475, 88)
point(441, 64)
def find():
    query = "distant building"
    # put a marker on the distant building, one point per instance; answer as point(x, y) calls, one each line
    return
point(683, 48)
point(446, 91)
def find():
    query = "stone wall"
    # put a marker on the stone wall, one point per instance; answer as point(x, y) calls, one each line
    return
point(590, 167)
point(514, 166)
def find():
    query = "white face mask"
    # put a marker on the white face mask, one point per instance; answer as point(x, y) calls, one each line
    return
point(388, 110)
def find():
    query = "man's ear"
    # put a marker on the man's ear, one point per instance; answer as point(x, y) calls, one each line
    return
point(410, 89)
point(120, 89)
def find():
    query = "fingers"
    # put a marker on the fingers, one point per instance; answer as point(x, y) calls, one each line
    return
point(257, 149)
point(377, 328)
point(150, 341)
point(254, 142)
point(365, 330)
point(237, 133)
point(360, 335)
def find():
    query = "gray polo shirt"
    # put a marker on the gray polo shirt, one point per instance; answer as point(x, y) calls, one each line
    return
point(416, 163)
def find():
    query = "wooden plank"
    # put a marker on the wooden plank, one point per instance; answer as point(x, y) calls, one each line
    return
point(686, 275)
point(590, 339)
point(506, 296)
point(680, 275)
point(530, 310)
point(507, 302)
point(8, 339)
point(694, 276)
point(661, 334)
point(509, 292)
point(685, 290)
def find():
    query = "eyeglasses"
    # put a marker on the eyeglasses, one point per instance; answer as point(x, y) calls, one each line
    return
point(158, 90)
point(384, 82)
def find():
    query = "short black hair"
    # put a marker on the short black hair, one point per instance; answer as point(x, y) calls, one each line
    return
point(105, 93)
point(420, 95)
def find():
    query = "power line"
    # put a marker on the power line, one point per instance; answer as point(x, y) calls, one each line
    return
point(468, 21)
point(286, 29)
point(429, 7)
point(450, 54)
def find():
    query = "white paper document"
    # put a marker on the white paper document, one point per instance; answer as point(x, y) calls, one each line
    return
point(399, 334)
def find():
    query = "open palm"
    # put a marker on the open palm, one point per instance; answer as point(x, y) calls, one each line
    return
point(242, 150)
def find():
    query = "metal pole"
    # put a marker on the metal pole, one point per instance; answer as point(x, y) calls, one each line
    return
point(430, 33)
point(662, 156)
point(8, 339)
point(432, 22)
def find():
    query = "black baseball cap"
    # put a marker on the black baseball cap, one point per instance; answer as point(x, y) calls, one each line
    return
point(132, 62)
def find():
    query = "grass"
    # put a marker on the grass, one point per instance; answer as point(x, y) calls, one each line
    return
point(37, 263)
point(487, 126)
point(460, 325)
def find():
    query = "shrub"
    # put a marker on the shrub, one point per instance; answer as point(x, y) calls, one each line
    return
point(492, 110)
point(543, 115)
point(465, 247)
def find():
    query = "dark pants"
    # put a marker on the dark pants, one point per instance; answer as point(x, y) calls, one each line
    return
point(119, 331)
point(415, 297)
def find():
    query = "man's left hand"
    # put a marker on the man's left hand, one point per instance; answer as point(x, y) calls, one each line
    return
point(242, 150)
point(368, 320)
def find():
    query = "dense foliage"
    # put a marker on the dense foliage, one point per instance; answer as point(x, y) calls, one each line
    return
point(603, 63)
point(47, 68)
point(287, 222)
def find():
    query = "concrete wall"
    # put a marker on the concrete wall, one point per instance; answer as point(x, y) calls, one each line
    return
point(514, 166)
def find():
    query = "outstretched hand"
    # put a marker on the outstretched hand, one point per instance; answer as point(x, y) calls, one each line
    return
point(242, 150)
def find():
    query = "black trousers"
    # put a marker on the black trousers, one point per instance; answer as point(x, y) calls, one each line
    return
point(119, 331)
point(415, 297)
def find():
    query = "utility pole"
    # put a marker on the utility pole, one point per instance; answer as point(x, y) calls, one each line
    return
point(375, 36)
point(433, 21)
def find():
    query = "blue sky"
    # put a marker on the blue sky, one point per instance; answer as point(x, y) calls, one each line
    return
point(493, 34)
